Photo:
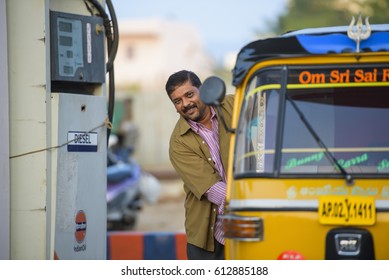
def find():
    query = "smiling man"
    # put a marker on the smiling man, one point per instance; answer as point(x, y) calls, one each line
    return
point(199, 153)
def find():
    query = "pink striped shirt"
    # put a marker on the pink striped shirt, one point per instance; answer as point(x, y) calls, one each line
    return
point(216, 193)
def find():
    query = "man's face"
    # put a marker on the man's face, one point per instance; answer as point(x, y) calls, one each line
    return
point(186, 99)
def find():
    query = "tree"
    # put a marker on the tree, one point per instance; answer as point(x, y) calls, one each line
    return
point(317, 13)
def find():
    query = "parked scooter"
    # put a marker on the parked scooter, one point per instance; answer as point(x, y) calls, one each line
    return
point(128, 187)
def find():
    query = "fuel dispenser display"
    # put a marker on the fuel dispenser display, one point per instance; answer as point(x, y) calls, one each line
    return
point(77, 52)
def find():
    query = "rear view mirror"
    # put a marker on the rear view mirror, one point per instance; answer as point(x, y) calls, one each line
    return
point(213, 91)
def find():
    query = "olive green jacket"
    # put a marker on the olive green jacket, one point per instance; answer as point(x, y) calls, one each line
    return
point(191, 158)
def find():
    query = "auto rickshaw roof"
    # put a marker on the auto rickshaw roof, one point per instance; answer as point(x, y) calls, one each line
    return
point(305, 42)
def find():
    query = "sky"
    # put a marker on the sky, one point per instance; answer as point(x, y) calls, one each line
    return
point(224, 25)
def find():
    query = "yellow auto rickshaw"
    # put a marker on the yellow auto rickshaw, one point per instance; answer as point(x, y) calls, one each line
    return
point(309, 158)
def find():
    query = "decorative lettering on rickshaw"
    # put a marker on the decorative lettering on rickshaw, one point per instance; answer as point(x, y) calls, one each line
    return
point(326, 190)
point(294, 162)
point(260, 160)
point(385, 192)
point(353, 161)
point(351, 75)
point(356, 190)
point(305, 192)
point(383, 164)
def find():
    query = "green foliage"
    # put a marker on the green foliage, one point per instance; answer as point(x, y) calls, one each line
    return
point(317, 13)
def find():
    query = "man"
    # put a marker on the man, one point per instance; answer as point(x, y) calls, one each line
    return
point(199, 153)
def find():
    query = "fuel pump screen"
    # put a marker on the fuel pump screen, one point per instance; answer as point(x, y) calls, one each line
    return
point(70, 52)
point(77, 52)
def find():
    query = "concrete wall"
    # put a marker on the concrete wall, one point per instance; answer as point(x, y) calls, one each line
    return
point(27, 99)
point(4, 147)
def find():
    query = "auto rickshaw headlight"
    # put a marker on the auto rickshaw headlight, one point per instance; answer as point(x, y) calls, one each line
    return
point(242, 228)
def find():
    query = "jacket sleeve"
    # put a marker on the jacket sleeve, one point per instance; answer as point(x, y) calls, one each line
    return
point(191, 159)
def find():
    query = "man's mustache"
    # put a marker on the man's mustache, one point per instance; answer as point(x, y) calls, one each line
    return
point(187, 108)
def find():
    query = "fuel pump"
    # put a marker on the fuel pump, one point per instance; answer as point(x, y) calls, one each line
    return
point(57, 105)
point(81, 117)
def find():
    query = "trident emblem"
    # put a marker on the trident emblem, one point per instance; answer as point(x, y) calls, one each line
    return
point(357, 32)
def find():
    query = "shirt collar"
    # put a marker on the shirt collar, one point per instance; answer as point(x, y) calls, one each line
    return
point(196, 126)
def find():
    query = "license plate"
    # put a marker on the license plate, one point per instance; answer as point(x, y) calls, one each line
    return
point(347, 210)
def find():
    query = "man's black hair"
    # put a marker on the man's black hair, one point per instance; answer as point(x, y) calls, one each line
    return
point(179, 78)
